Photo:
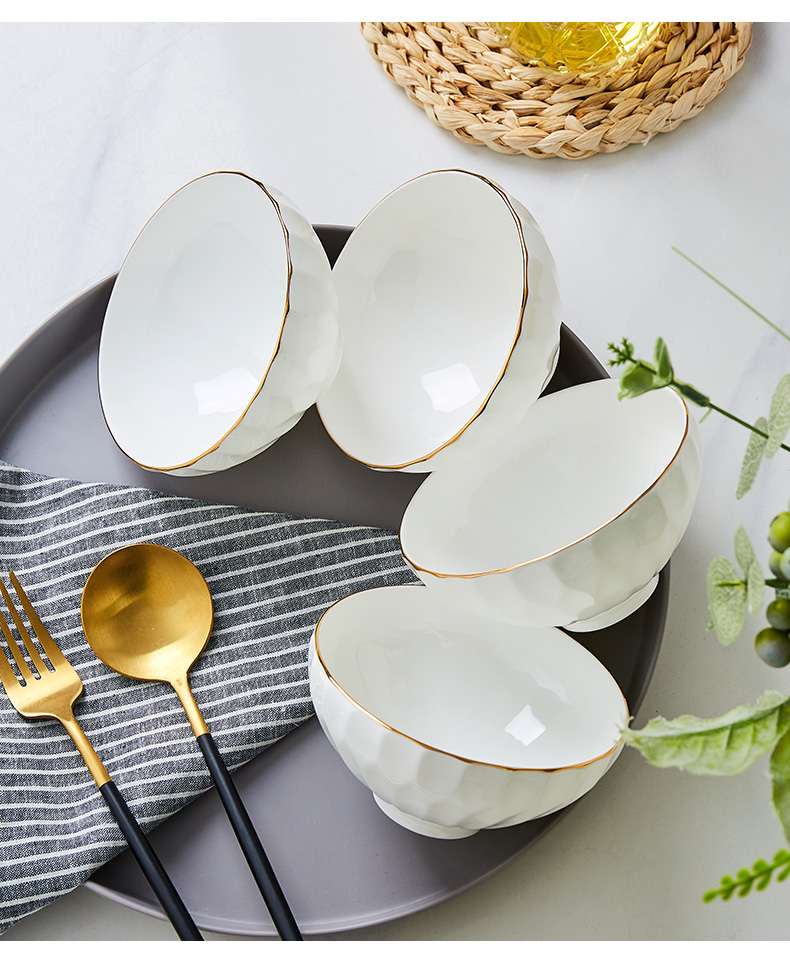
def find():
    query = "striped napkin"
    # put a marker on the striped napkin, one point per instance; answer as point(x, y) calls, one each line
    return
point(271, 576)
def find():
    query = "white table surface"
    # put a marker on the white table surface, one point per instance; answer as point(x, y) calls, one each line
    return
point(101, 122)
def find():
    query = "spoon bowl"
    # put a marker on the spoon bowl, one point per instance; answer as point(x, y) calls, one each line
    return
point(147, 613)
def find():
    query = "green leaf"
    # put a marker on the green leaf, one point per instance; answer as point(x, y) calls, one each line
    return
point(755, 588)
point(636, 380)
point(755, 582)
point(664, 372)
point(744, 551)
point(764, 872)
point(755, 450)
point(722, 746)
point(727, 600)
point(780, 782)
point(779, 417)
point(692, 394)
point(745, 879)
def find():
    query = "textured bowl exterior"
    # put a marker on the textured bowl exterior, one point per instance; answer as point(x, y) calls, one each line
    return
point(307, 358)
point(430, 786)
point(598, 573)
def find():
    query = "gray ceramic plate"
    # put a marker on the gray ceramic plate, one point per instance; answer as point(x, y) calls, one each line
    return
point(341, 862)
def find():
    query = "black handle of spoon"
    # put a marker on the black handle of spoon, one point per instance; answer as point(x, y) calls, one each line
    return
point(152, 867)
point(250, 843)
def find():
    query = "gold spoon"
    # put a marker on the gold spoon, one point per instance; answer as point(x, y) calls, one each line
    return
point(147, 614)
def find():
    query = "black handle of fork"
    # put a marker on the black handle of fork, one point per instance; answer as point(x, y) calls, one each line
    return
point(250, 843)
point(152, 867)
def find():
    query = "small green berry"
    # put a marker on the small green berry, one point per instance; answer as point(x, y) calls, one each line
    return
point(779, 531)
point(773, 647)
point(775, 563)
point(784, 564)
point(778, 614)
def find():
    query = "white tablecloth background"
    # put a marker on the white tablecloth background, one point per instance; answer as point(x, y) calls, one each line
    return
point(101, 122)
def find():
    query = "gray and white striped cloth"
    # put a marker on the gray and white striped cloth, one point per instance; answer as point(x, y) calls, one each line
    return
point(271, 576)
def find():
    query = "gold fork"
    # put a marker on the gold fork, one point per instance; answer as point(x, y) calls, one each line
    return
point(51, 693)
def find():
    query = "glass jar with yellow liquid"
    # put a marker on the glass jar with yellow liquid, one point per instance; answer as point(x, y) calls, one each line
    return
point(579, 48)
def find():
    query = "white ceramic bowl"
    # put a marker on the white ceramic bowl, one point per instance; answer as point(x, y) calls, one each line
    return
point(457, 723)
point(221, 329)
point(450, 314)
point(568, 520)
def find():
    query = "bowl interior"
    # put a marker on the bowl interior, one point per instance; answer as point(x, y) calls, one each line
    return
point(431, 289)
point(480, 690)
point(194, 320)
point(579, 459)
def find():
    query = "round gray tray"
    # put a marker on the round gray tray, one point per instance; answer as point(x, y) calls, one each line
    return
point(341, 862)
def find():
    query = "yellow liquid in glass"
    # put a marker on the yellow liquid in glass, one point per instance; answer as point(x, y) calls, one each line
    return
point(578, 48)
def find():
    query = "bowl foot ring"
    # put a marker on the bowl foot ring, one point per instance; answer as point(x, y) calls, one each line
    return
point(428, 828)
point(616, 613)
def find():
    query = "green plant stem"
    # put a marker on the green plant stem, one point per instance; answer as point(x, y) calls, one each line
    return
point(682, 390)
point(727, 289)
point(773, 583)
point(759, 877)
point(732, 417)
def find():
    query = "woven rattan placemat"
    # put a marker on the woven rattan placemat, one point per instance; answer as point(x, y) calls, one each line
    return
point(470, 82)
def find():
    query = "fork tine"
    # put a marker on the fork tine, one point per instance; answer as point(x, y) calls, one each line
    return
point(32, 652)
point(48, 644)
point(7, 676)
point(18, 658)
